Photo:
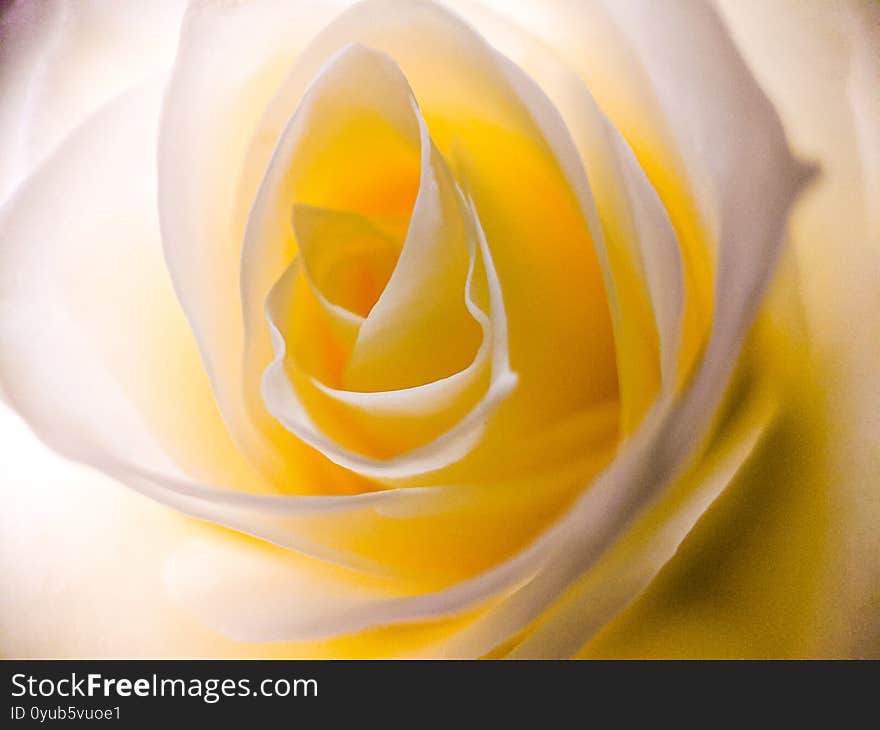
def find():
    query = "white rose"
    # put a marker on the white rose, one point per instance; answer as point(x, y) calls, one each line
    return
point(439, 329)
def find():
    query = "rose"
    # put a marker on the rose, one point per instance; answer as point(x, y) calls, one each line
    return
point(493, 450)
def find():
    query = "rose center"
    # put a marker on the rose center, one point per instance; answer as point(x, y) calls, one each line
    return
point(349, 257)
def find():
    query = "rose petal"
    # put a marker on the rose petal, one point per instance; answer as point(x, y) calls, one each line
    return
point(422, 288)
point(229, 62)
point(751, 218)
point(52, 371)
point(61, 61)
point(104, 429)
point(628, 568)
point(574, 271)
point(616, 498)
point(824, 86)
point(638, 251)
point(444, 449)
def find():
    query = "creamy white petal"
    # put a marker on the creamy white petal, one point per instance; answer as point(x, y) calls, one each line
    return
point(75, 582)
point(68, 362)
point(60, 61)
point(82, 270)
point(54, 371)
point(300, 592)
point(82, 563)
point(230, 60)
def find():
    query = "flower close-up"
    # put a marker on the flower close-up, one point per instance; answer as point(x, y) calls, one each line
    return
point(440, 329)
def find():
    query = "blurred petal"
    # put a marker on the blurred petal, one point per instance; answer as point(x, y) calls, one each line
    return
point(98, 578)
point(792, 571)
point(85, 578)
point(50, 355)
point(749, 580)
point(627, 569)
point(59, 61)
point(825, 87)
